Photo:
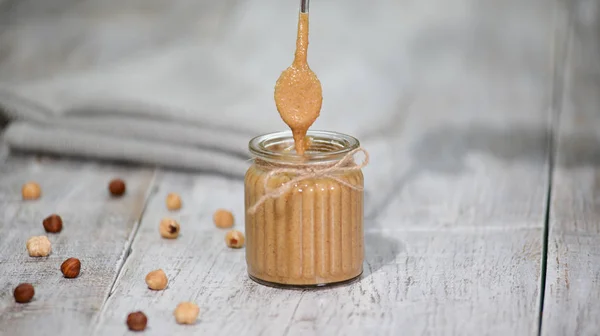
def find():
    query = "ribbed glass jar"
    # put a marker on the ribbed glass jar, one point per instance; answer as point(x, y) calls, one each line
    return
point(312, 235)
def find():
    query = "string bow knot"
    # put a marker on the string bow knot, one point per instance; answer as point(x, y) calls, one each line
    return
point(310, 172)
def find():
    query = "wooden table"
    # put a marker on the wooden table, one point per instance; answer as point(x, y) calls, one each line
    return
point(491, 226)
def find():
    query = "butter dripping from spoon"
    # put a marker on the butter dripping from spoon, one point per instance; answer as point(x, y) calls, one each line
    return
point(298, 92)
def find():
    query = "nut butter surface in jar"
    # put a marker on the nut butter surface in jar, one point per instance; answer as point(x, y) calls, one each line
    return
point(304, 214)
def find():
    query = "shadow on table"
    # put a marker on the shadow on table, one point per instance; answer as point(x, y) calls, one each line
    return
point(380, 250)
point(444, 150)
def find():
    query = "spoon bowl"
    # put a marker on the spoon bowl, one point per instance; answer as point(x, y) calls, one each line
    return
point(298, 97)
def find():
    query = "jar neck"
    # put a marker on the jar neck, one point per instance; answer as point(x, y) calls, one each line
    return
point(270, 165)
point(325, 149)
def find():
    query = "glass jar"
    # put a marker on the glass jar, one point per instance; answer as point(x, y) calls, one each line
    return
point(311, 233)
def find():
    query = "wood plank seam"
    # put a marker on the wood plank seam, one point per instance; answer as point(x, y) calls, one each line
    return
point(133, 235)
point(126, 250)
point(561, 56)
point(291, 321)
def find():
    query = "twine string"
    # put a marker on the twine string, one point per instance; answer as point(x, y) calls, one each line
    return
point(308, 173)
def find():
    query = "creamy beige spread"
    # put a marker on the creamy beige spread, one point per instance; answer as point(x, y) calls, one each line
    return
point(298, 93)
point(311, 235)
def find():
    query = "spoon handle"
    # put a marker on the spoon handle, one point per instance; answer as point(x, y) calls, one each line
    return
point(304, 6)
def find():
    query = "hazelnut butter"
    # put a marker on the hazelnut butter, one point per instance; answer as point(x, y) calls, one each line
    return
point(312, 233)
point(298, 92)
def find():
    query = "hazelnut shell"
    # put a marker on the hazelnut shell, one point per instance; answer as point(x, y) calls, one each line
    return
point(117, 187)
point(70, 268)
point(53, 224)
point(24, 293)
point(137, 321)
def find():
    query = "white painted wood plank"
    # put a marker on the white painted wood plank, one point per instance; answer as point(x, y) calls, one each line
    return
point(456, 280)
point(572, 293)
point(435, 282)
point(198, 264)
point(97, 230)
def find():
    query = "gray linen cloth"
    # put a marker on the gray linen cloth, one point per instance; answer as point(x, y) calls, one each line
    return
point(188, 84)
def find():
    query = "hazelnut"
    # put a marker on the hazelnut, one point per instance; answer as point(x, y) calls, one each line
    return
point(169, 228)
point(234, 239)
point(31, 191)
point(173, 201)
point(157, 280)
point(137, 321)
point(70, 268)
point(24, 293)
point(39, 246)
point(223, 218)
point(117, 187)
point(53, 224)
point(186, 313)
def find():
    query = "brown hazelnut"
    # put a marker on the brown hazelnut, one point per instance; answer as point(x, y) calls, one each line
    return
point(31, 191)
point(234, 239)
point(24, 293)
point(70, 268)
point(39, 246)
point(157, 280)
point(137, 321)
point(223, 218)
point(53, 224)
point(173, 201)
point(169, 228)
point(186, 313)
point(117, 187)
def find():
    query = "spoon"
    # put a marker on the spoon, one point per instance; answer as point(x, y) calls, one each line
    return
point(298, 92)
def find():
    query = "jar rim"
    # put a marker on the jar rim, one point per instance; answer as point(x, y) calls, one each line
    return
point(326, 146)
